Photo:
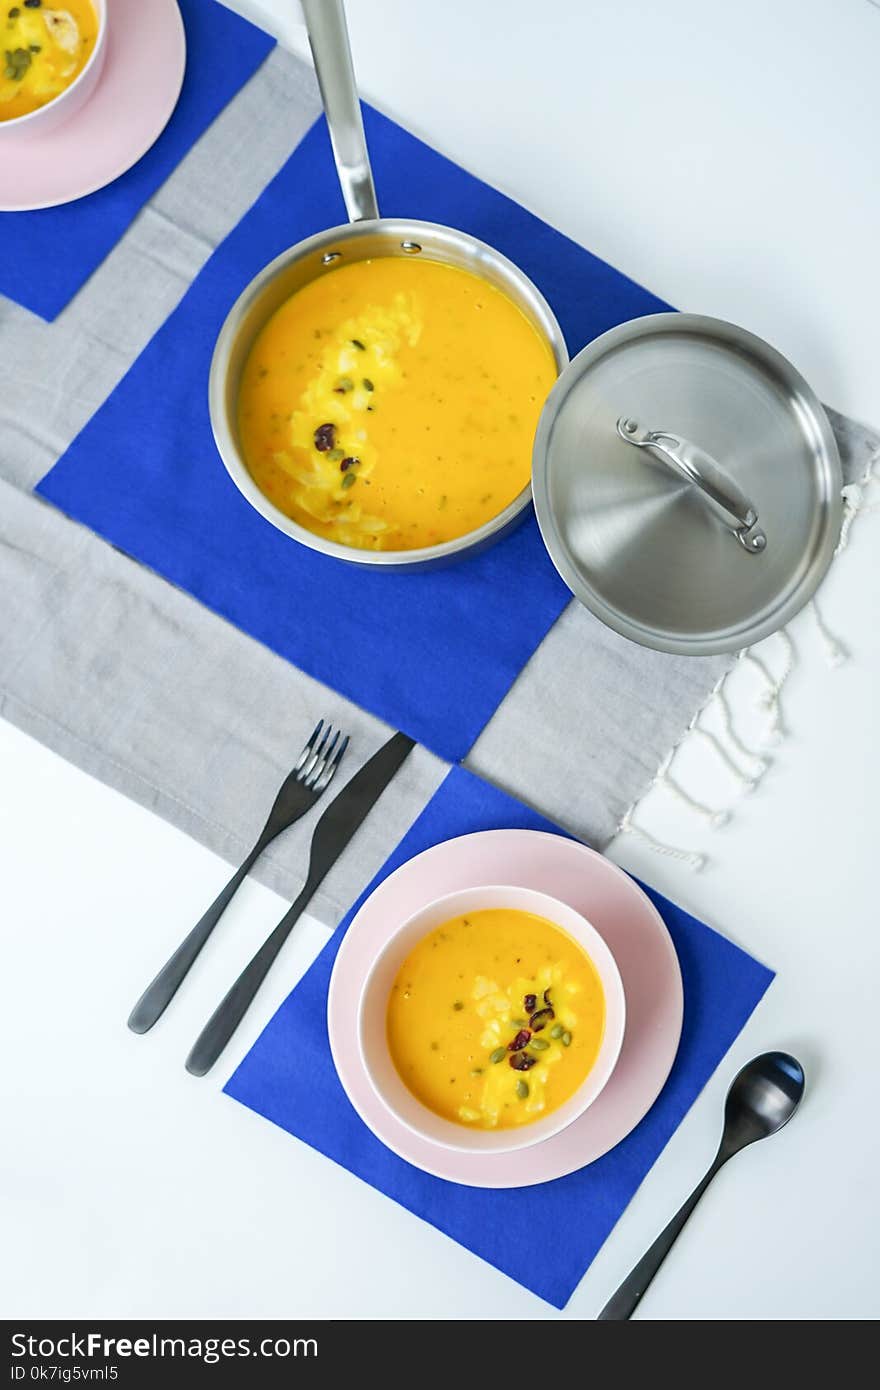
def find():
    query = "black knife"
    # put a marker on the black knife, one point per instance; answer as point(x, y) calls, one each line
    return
point(334, 830)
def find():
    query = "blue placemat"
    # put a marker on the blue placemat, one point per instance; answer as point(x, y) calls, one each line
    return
point(289, 1077)
point(222, 52)
point(433, 654)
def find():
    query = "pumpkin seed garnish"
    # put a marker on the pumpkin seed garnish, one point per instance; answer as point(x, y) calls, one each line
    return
point(517, 1023)
point(522, 1061)
point(356, 342)
point(344, 384)
point(539, 1044)
point(477, 1071)
point(522, 1090)
point(458, 1006)
point(566, 1039)
point(557, 1030)
point(367, 384)
point(336, 454)
point(540, 1019)
point(349, 480)
point(18, 60)
point(498, 1055)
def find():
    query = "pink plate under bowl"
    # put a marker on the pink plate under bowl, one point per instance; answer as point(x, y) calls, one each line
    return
point(131, 105)
point(632, 929)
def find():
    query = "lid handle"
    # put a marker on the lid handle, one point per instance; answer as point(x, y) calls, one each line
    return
point(727, 501)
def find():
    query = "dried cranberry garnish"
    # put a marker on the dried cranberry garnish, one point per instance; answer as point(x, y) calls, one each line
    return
point(522, 1061)
point(349, 463)
point(529, 1002)
point(519, 1041)
point(541, 1019)
point(325, 438)
point(546, 996)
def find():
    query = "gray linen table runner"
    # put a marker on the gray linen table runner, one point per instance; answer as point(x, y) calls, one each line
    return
point(135, 682)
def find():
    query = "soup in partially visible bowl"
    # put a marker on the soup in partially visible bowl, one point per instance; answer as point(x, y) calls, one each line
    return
point(45, 49)
point(392, 403)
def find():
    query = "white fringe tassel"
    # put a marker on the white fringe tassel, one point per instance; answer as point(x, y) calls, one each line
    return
point(835, 653)
point(855, 503)
point(773, 685)
point(690, 857)
point(663, 779)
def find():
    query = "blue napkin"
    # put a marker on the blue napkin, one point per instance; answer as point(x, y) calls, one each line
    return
point(31, 271)
point(289, 1077)
point(432, 654)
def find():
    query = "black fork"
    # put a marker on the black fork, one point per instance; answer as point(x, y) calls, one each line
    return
point(314, 771)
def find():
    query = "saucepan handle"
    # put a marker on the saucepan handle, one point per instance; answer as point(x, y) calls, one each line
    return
point(723, 496)
point(328, 40)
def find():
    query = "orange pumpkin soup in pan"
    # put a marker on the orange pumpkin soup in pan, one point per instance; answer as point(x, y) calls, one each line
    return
point(392, 403)
point(495, 1018)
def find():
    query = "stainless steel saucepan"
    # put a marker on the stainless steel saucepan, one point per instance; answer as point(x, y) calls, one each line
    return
point(366, 236)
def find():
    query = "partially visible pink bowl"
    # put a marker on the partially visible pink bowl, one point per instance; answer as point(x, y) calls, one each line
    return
point(372, 1026)
point(62, 107)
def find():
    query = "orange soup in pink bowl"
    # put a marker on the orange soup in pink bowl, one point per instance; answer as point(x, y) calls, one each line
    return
point(51, 58)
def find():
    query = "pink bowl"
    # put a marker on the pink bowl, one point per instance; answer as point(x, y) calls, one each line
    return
point(372, 1035)
point(54, 113)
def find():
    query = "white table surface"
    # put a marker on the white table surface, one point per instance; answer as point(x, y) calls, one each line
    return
point(725, 156)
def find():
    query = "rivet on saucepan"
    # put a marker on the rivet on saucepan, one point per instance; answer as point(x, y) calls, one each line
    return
point(330, 256)
point(412, 248)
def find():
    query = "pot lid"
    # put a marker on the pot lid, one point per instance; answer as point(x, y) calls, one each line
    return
point(687, 484)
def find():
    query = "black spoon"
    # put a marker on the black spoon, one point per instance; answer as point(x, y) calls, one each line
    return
point(762, 1098)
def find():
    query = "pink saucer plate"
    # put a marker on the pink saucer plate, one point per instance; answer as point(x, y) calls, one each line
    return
point(631, 927)
point(127, 112)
